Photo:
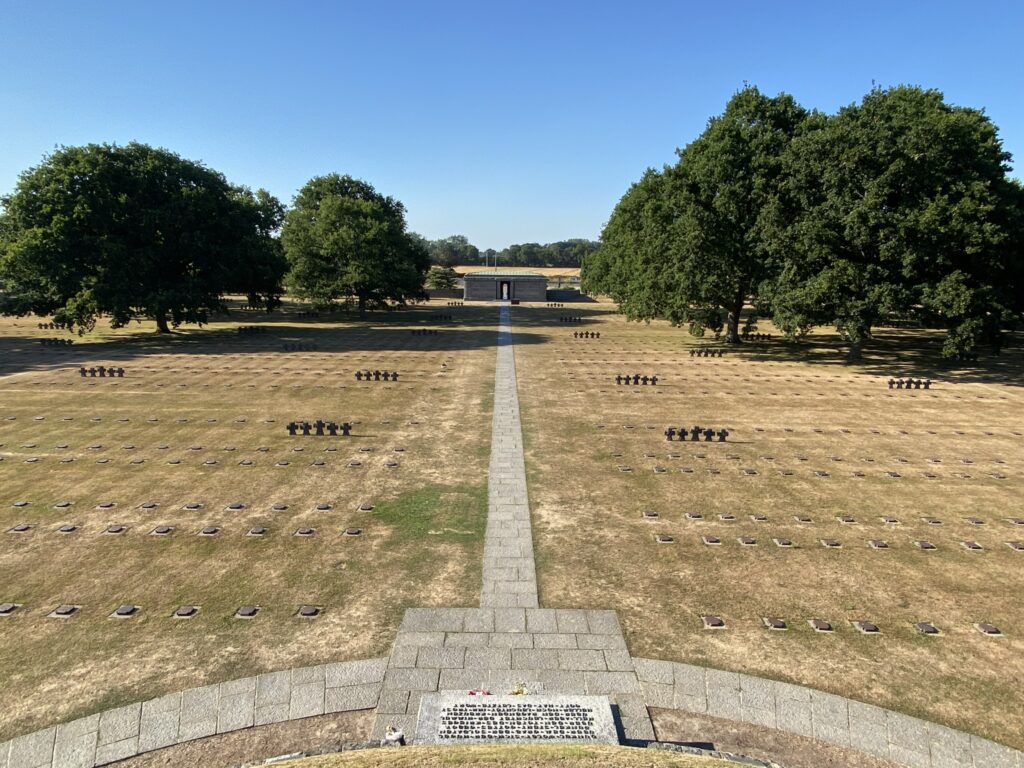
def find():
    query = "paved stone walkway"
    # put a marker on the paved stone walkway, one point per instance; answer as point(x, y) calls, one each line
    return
point(510, 580)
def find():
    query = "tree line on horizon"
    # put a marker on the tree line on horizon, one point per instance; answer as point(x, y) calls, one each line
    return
point(457, 251)
point(900, 206)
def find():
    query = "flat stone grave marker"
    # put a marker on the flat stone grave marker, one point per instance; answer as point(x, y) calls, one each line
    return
point(456, 718)
point(774, 623)
point(927, 628)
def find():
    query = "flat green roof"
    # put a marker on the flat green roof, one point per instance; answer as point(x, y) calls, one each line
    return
point(504, 273)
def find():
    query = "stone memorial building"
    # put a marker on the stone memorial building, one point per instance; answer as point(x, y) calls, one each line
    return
point(505, 285)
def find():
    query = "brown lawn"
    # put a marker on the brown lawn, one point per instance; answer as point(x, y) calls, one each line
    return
point(958, 449)
point(213, 395)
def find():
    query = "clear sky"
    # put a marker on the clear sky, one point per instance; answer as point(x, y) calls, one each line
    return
point(514, 122)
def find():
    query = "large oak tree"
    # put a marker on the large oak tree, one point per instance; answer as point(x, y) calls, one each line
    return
point(133, 231)
point(346, 242)
point(687, 244)
point(899, 205)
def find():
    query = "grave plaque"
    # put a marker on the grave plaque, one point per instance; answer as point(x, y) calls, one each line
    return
point(456, 718)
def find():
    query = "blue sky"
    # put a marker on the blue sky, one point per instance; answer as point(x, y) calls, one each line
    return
point(516, 122)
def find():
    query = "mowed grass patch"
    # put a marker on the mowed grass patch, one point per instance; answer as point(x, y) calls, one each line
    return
point(820, 439)
point(216, 403)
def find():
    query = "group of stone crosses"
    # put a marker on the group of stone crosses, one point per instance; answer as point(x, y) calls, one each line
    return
point(455, 303)
point(910, 383)
point(56, 342)
point(319, 426)
point(101, 372)
point(424, 332)
point(705, 352)
point(695, 434)
point(441, 317)
point(586, 334)
point(555, 305)
point(570, 319)
point(53, 326)
point(636, 378)
point(748, 336)
point(251, 329)
point(299, 346)
point(376, 376)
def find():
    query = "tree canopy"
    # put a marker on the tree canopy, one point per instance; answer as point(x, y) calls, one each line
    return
point(900, 205)
point(346, 242)
point(133, 231)
point(689, 239)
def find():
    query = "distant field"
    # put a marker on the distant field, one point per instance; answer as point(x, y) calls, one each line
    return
point(958, 451)
point(210, 400)
point(549, 272)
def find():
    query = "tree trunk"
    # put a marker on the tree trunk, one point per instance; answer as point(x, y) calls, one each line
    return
point(362, 306)
point(732, 333)
point(161, 322)
point(854, 354)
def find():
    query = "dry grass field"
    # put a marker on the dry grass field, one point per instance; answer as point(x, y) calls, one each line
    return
point(523, 756)
point(809, 437)
point(201, 418)
point(548, 272)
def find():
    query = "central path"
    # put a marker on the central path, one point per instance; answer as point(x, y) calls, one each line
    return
point(509, 579)
point(509, 640)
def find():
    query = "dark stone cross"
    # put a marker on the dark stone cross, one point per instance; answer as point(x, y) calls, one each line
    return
point(376, 375)
point(386, 375)
point(708, 435)
point(722, 434)
point(394, 376)
point(695, 434)
point(636, 378)
point(618, 379)
point(292, 428)
point(305, 428)
point(359, 376)
point(102, 372)
point(644, 380)
point(345, 429)
point(319, 424)
point(654, 380)
point(332, 429)
point(670, 433)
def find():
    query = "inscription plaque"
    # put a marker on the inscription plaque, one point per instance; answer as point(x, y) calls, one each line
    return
point(457, 718)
